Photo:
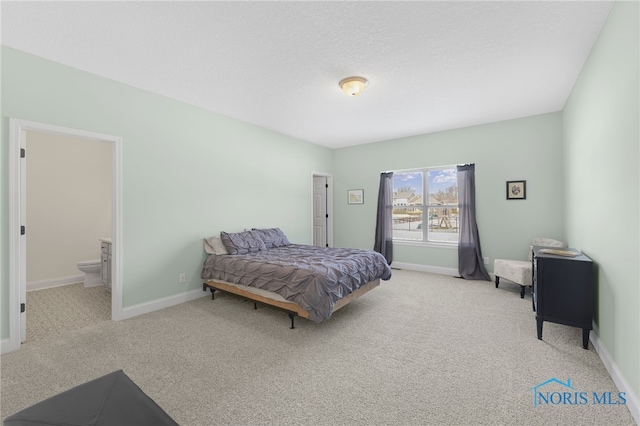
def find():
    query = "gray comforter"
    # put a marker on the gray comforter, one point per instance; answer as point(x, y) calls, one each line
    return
point(313, 277)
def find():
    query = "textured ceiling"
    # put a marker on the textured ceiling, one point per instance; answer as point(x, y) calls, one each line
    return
point(431, 66)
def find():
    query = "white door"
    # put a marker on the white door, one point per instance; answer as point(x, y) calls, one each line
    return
point(320, 216)
point(23, 238)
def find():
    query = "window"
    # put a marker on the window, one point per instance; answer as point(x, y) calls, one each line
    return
point(425, 205)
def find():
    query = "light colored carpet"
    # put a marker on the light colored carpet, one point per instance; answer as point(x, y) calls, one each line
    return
point(55, 310)
point(422, 349)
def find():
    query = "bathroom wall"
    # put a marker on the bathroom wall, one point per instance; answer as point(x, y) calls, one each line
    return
point(68, 204)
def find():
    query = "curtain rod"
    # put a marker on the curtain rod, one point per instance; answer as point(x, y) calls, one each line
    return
point(432, 167)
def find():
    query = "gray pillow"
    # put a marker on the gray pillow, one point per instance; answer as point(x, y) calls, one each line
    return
point(273, 237)
point(242, 242)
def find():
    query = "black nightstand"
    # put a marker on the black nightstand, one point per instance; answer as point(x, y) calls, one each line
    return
point(563, 290)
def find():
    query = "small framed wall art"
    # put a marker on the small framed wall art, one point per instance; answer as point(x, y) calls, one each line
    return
point(355, 196)
point(517, 190)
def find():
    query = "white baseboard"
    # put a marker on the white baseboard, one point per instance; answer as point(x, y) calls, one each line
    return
point(155, 305)
point(433, 269)
point(6, 346)
point(633, 404)
point(55, 282)
point(425, 268)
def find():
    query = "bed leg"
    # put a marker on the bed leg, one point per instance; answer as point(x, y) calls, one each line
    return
point(292, 316)
point(204, 288)
point(255, 305)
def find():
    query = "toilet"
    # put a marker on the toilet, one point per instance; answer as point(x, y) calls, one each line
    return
point(91, 269)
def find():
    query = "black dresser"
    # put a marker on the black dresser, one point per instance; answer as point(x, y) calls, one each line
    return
point(563, 290)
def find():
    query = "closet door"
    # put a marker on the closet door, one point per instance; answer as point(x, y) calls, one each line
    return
point(320, 211)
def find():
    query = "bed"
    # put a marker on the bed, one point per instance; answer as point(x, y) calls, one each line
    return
point(307, 281)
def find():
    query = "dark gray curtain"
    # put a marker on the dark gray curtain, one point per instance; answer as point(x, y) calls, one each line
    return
point(470, 265)
point(384, 221)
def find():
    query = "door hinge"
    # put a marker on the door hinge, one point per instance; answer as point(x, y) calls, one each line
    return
point(23, 153)
point(326, 185)
point(327, 215)
point(23, 230)
point(23, 307)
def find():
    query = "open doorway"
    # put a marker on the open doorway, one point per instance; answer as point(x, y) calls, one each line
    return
point(19, 226)
point(68, 212)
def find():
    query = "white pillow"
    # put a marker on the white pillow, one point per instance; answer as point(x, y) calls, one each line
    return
point(213, 245)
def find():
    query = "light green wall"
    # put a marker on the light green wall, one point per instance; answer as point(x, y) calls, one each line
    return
point(187, 173)
point(602, 185)
point(529, 149)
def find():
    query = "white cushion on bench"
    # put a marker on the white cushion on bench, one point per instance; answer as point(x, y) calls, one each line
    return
point(518, 271)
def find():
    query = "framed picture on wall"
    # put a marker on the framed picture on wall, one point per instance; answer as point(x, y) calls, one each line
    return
point(517, 190)
point(355, 196)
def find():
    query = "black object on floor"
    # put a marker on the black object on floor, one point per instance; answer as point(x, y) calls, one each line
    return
point(111, 400)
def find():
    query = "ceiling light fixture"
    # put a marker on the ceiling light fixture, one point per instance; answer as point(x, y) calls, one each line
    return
point(353, 86)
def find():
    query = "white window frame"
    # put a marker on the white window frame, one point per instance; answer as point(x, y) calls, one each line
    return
point(425, 209)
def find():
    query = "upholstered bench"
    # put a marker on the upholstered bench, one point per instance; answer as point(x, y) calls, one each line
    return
point(519, 271)
point(108, 400)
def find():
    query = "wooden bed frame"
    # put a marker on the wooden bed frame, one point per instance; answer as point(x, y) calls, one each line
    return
point(293, 309)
